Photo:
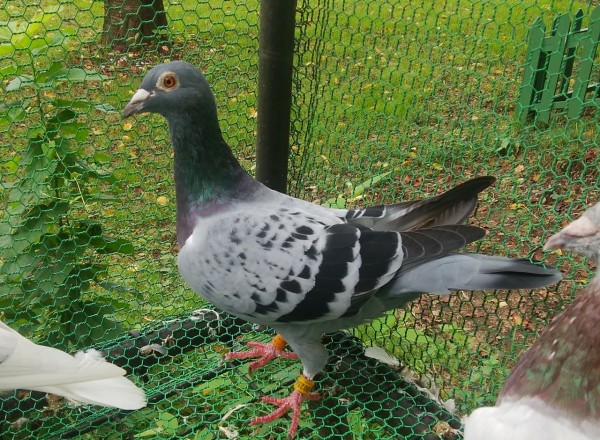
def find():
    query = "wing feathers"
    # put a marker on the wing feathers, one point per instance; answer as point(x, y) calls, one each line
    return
point(452, 207)
point(334, 274)
point(427, 244)
point(314, 272)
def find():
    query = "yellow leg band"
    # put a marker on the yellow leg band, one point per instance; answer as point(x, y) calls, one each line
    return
point(278, 342)
point(304, 385)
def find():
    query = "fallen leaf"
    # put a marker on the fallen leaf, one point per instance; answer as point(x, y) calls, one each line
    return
point(519, 168)
point(162, 200)
point(517, 319)
point(442, 428)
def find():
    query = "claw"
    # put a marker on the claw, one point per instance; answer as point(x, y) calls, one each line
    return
point(292, 402)
point(266, 353)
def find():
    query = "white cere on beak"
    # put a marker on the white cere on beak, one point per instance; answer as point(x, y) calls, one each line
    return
point(139, 96)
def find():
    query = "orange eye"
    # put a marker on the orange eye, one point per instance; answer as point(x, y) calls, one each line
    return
point(169, 81)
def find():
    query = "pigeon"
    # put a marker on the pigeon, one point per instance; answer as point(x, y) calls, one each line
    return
point(300, 268)
point(553, 392)
point(85, 377)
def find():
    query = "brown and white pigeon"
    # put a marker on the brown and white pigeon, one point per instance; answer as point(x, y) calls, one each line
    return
point(553, 392)
point(85, 377)
point(301, 268)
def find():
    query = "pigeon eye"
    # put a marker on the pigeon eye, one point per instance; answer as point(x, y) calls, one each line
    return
point(169, 81)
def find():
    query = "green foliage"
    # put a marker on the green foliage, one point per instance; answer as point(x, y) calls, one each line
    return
point(354, 193)
point(50, 248)
point(25, 35)
point(358, 426)
point(481, 383)
point(447, 345)
point(166, 425)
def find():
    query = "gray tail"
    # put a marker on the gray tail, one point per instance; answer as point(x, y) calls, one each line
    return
point(508, 273)
point(474, 272)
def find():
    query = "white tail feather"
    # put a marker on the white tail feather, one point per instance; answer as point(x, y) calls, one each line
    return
point(119, 392)
point(85, 377)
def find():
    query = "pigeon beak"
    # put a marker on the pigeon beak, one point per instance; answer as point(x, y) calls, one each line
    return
point(557, 241)
point(583, 227)
point(136, 104)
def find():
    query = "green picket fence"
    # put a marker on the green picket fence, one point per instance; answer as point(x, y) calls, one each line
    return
point(549, 74)
point(391, 100)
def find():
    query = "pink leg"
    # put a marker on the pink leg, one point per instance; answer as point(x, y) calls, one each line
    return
point(266, 352)
point(292, 402)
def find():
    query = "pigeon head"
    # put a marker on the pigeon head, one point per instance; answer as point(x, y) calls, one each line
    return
point(207, 174)
point(581, 236)
point(174, 90)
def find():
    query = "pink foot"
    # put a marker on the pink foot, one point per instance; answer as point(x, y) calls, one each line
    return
point(292, 402)
point(266, 353)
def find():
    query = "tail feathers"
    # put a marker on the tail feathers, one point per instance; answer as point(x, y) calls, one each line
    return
point(31, 365)
point(86, 377)
point(507, 273)
point(474, 272)
point(119, 392)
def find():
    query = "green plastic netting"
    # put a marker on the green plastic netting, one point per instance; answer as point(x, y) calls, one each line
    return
point(392, 100)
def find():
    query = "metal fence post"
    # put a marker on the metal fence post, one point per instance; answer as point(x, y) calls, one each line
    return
point(276, 50)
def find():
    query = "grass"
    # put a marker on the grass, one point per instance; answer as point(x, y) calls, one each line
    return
point(424, 91)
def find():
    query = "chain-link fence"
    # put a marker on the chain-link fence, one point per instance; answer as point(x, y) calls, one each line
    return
point(391, 100)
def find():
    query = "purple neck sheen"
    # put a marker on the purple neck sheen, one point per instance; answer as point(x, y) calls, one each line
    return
point(208, 178)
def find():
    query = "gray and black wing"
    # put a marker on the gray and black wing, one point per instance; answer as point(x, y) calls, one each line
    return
point(453, 207)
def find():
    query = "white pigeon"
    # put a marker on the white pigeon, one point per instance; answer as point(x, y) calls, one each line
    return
point(553, 392)
point(301, 268)
point(85, 377)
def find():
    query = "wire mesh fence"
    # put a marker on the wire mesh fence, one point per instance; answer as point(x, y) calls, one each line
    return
point(392, 101)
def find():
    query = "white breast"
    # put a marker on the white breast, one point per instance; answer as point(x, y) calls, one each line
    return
point(526, 419)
